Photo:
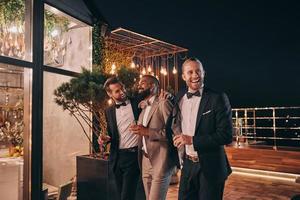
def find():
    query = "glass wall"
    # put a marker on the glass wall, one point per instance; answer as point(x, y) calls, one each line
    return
point(15, 98)
point(15, 29)
point(67, 46)
point(67, 41)
point(63, 138)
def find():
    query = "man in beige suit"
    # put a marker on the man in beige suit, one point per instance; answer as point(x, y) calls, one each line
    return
point(155, 144)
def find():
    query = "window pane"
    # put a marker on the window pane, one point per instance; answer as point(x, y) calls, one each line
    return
point(14, 132)
point(63, 138)
point(67, 41)
point(15, 29)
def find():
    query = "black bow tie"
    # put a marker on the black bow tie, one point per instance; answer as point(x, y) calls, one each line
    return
point(120, 104)
point(190, 95)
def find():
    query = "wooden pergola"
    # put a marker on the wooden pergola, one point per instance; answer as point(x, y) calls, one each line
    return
point(149, 55)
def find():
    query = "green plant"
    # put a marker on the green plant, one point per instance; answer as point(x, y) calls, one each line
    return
point(53, 21)
point(12, 11)
point(85, 95)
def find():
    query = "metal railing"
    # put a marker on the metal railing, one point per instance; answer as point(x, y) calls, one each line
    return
point(271, 126)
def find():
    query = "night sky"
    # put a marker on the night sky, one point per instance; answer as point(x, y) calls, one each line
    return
point(249, 49)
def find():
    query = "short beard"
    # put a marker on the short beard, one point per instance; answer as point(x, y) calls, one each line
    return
point(145, 93)
point(121, 99)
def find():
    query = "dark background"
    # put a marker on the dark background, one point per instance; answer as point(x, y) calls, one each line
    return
point(249, 49)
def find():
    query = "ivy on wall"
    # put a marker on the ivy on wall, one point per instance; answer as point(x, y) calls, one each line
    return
point(12, 12)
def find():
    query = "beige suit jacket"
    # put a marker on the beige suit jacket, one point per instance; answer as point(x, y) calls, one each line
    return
point(157, 143)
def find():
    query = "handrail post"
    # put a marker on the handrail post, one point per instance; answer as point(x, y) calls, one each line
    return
point(274, 129)
point(254, 125)
point(238, 129)
point(246, 126)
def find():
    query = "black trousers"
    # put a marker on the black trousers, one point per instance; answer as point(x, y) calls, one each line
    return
point(194, 185)
point(127, 175)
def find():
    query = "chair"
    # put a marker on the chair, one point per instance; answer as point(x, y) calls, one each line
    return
point(64, 191)
point(45, 193)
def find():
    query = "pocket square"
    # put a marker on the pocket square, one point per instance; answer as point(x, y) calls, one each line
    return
point(206, 112)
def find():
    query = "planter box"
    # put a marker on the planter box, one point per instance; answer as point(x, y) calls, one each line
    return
point(94, 180)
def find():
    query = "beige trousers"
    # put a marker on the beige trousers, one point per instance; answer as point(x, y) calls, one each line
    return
point(155, 184)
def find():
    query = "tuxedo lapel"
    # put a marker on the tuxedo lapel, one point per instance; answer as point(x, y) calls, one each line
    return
point(113, 120)
point(203, 103)
point(140, 121)
point(135, 109)
point(154, 106)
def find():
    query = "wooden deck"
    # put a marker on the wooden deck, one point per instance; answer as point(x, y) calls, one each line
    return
point(263, 158)
point(241, 187)
point(245, 187)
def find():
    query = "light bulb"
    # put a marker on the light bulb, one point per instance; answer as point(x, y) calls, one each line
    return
point(13, 29)
point(113, 67)
point(132, 65)
point(54, 33)
point(174, 70)
point(162, 70)
point(149, 69)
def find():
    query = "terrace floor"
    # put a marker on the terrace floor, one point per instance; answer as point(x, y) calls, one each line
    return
point(243, 187)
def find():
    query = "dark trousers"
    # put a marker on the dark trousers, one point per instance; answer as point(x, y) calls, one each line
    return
point(127, 175)
point(194, 185)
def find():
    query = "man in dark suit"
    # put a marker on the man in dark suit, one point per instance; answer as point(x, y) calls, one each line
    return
point(202, 126)
point(124, 144)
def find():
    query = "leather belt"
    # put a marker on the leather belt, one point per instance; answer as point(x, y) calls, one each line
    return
point(129, 150)
point(194, 159)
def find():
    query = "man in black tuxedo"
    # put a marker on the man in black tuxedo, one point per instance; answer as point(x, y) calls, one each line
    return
point(124, 144)
point(202, 126)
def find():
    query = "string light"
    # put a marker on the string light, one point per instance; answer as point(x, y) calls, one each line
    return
point(113, 67)
point(174, 70)
point(163, 71)
point(132, 65)
point(109, 101)
point(54, 33)
point(149, 69)
point(144, 71)
point(13, 29)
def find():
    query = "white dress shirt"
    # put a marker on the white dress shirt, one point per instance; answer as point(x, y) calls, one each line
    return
point(189, 110)
point(145, 117)
point(125, 117)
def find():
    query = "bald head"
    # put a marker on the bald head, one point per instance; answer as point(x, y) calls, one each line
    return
point(148, 84)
